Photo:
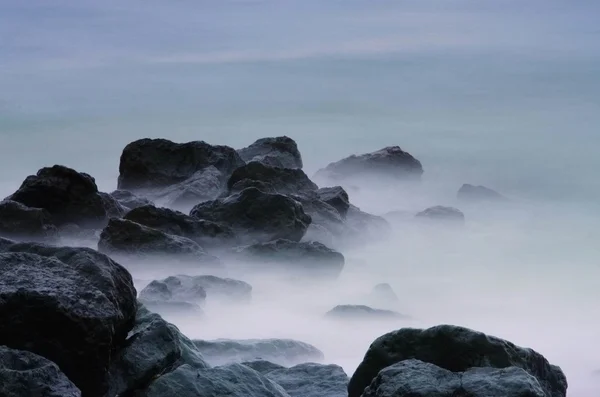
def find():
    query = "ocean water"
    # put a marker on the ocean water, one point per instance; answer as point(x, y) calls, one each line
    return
point(503, 93)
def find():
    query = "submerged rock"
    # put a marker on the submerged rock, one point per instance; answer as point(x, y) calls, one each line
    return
point(280, 150)
point(337, 197)
point(311, 380)
point(441, 213)
point(282, 180)
point(455, 349)
point(362, 312)
point(130, 200)
point(19, 222)
point(23, 373)
point(478, 193)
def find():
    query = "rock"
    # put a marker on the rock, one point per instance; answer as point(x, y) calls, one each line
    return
point(206, 233)
point(280, 150)
point(130, 200)
point(23, 373)
point(113, 208)
point(440, 213)
point(414, 378)
point(311, 380)
point(152, 348)
point(206, 184)
point(234, 380)
point(73, 306)
point(175, 289)
point(19, 222)
point(336, 197)
point(174, 310)
point(361, 312)
point(365, 226)
point(246, 183)
point(257, 216)
point(283, 180)
point(310, 258)
point(126, 238)
point(225, 289)
point(69, 196)
point(455, 349)
point(383, 294)
point(478, 193)
point(391, 162)
point(263, 366)
point(157, 163)
point(5, 244)
point(321, 235)
point(278, 351)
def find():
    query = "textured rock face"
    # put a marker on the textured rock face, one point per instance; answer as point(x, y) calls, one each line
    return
point(455, 349)
point(443, 214)
point(311, 380)
point(279, 151)
point(19, 222)
point(282, 180)
point(130, 200)
point(206, 184)
point(336, 197)
point(69, 196)
point(278, 351)
point(152, 163)
point(23, 373)
point(257, 216)
point(479, 194)
point(361, 312)
point(73, 306)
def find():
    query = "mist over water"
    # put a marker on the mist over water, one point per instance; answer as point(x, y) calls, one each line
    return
point(504, 94)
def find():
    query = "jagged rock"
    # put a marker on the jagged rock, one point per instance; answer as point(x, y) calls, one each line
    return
point(23, 373)
point(278, 351)
point(311, 380)
point(362, 312)
point(113, 208)
point(390, 162)
point(440, 213)
point(455, 349)
point(152, 348)
point(312, 257)
point(225, 289)
point(336, 197)
point(283, 180)
point(206, 233)
point(263, 366)
point(19, 222)
point(69, 196)
point(157, 163)
point(478, 193)
point(206, 184)
point(130, 200)
point(234, 380)
point(414, 378)
point(279, 150)
point(257, 216)
point(246, 183)
point(73, 306)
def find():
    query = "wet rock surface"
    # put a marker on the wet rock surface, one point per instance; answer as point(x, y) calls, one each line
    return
point(19, 222)
point(282, 180)
point(282, 151)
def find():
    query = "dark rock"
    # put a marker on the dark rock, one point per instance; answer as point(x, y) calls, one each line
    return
point(320, 234)
point(73, 306)
point(336, 197)
point(225, 289)
point(280, 150)
point(19, 222)
point(478, 193)
point(414, 378)
point(257, 216)
point(23, 373)
point(246, 183)
point(157, 163)
point(203, 185)
point(174, 288)
point(263, 366)
point(69, 196)
point(440, 213)
point(361, 312)
point(206, 233)
point(278, 351)
point(455, 349)
point(283, 180)
point(130, 200)
point(311, 380)
point(113, 208)
point(311, 258)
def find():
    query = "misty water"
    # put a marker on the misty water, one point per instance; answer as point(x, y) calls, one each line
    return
point(500, 93)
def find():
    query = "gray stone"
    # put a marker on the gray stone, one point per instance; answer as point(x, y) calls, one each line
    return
point(337, 197)
point(282, 151)
point(311, 380)
point(282, 180)
point(443, 214)
point(19, 222)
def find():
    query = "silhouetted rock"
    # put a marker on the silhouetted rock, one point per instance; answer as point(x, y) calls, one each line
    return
point(441, 213)
point(455, 349)
point(157, 163)
point(362, 312)
point(73, 306)
point(257, 216)
point(278, 351)
point(478, 193)
point(23, 373)
point(203, 185)
point(384, 294)
point(336, 197)
point(130, 200)
point(69, 196)
point(283, 180)
point(414, 378)
point(206, 233)
point(19, 222)
point(311, 380)
point(272, 151)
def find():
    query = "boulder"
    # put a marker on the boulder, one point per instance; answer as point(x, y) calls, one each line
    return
point(311, 380)
point(206, 184)
point(336, 197)
point(73, 306)
point(69, 196)
point(224, 289)
point(257, 216)
point(455, 349)
point(361, 312)
point(114, 209)
point(383, 294)
point(174, 289)
point(414, 378)
point(282, 151)
point(23, 373)
point(366, 227)
point(130, 200)
point(283, 180)
point(478, 193)
point(263, 366)
point(278, 351)
point(246, 183)
point(206, 233)
point(19, 222)
point(442, 214)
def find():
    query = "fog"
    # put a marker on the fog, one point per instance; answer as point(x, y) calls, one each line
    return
point(504, 94)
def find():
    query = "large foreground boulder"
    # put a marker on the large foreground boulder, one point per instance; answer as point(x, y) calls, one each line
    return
point(19, 222)
point(282, 180)
point(157, 163)
point(280, 150)
point(311, 380)
point(479, 194)
point(257, 216)
point(23, 373)
point(73, 306)
point(69, 196)
point(455, 349)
